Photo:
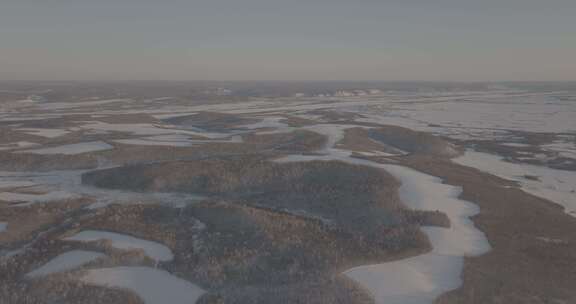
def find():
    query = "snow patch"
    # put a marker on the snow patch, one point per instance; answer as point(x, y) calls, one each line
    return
point(72, 149)
point(153, 286)
point(25, 199)
point(48, 133)
point(66, 261)
point(174, 140)
point(154, 250)
point(267, 122)
point(15, 184)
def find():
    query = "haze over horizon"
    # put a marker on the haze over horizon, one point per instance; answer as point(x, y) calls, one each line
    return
point(388, 40)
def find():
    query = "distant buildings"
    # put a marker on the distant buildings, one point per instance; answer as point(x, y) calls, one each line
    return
point(36, 98)
point(343, 93)
point(218, 92)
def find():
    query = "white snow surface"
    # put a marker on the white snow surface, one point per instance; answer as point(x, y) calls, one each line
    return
point(175, 140)
point(558, 186)
point(17, 145)
point(144, 129)
point(515, 145)
point(153, 286)
point(72, 149)
point(154, 250)
point(65, 261)
point(151, 142)
point(15, 184)
point(54, 106)
point(485, 115)
point(57, 185)
point(564, 149)
point(48, 133)
point(27, 199)
point(267, 122)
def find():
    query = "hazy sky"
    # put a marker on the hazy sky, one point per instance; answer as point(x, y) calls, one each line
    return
point(288, 39)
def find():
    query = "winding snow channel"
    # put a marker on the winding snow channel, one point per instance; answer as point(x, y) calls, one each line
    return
point(420, 279)
point(423, 278)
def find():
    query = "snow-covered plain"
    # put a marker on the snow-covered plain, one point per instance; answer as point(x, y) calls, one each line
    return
point(154, 250)
point(65, 261)
point(153, 286)
point(491, 114)
point(485, 116)
point(558, 186)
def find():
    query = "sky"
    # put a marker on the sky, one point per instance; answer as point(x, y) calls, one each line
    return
point(388, 40)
